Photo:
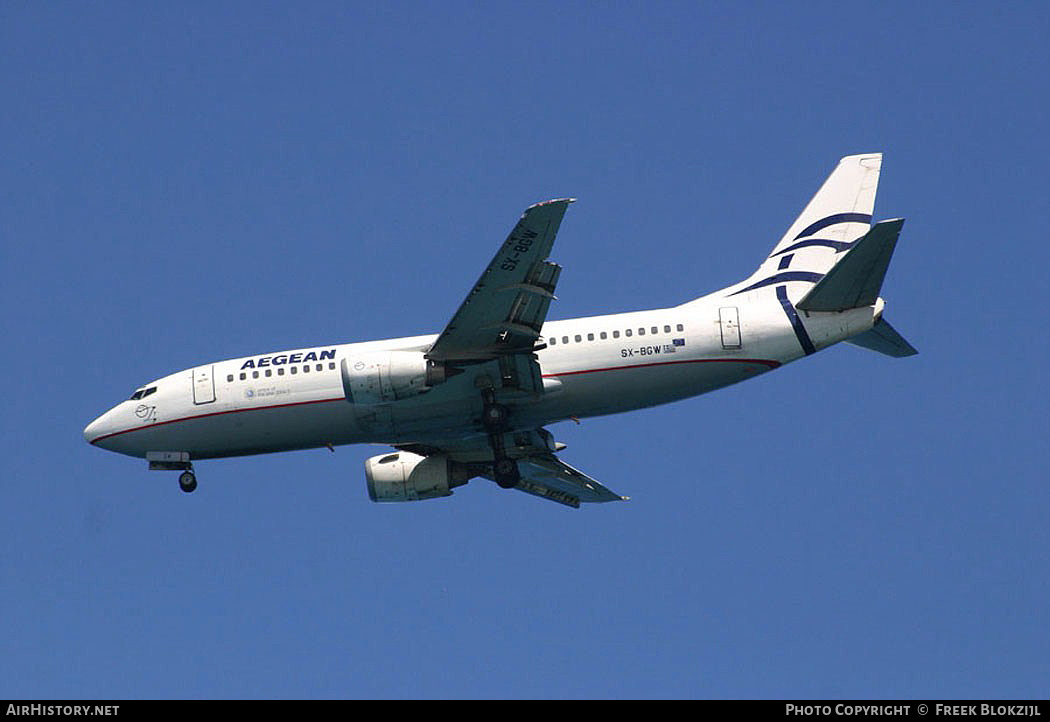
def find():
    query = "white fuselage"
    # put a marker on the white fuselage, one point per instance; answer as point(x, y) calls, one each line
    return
point(590, 367)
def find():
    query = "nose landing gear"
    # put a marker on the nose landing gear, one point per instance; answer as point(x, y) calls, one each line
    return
point(174, 461)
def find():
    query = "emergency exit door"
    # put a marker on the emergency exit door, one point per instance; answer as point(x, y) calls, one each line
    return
point(729, 320)
point(203, 385)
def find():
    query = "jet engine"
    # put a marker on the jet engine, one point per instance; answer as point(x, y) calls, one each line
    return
point(385, 376)
point(403, 476)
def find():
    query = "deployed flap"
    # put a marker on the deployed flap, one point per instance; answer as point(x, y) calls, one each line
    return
point(856, 280)
point(551, 478)
point(884, 339)
point(504, 312)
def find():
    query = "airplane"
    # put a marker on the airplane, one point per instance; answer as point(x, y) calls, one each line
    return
point(474, 400)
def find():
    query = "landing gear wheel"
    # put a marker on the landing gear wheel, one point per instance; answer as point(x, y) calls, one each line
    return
point(187, 481)
point(506, 473)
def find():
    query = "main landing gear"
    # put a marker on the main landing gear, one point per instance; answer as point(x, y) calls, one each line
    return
point(494, 416)
point(187, 481)
point(506, 472)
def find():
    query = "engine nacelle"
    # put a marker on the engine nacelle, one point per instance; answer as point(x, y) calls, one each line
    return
point(402, 476)
point(384, 376)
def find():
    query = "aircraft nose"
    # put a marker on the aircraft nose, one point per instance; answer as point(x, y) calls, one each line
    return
point(97, 428)
point(91, 430)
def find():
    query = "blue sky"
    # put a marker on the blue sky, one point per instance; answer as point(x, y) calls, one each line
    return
point(184, 183)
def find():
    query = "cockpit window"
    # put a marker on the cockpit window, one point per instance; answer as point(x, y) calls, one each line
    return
point(142, 393)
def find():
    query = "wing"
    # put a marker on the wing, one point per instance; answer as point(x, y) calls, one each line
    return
point(501, 319)
point(542, 473)
point(548, 477)
point(504, 312)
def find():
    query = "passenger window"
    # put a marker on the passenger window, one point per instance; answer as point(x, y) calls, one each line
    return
point(641, 332)
point(331, 365)
point(243, 376)
point(553, 341)
point(590, 337)
point(255, 374)
point(667, 329)
point(604, 335)
point(616, 334)
point(280, 371)
point(578, 338)
point(681, 327)
point(655, 330)
point(320, 367)
point(565, 339)
point(627, 332)
point(269, 373)
point(294, 370)
point(306, 369)
point(229, 378)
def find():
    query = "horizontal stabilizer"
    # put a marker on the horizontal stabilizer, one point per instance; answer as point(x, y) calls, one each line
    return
point(884, 339)
point(855, 281)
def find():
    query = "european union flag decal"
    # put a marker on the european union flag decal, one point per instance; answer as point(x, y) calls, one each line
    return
point(679, 342)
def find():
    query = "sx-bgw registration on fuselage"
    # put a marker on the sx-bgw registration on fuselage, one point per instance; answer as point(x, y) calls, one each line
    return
point(473, 400)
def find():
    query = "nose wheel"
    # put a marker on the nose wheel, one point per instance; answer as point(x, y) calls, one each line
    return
point(187, 481)
point(174, 461)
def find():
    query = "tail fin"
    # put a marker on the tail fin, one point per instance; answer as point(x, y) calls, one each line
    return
point(833, 246)
point(837, 215)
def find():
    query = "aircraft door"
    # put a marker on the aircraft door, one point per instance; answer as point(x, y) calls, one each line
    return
point(203, 385)
point(729, 320)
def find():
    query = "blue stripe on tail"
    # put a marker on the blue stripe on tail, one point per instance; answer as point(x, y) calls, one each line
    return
point(781, 277)
point(833, 220)
point(796, 322)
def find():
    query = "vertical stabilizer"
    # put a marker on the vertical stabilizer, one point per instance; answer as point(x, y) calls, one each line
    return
point(838, 215)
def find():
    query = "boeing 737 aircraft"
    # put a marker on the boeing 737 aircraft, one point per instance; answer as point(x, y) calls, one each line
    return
point(473, 400)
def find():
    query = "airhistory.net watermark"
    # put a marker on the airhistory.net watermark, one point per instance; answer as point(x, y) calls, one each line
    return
point(62, 710)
